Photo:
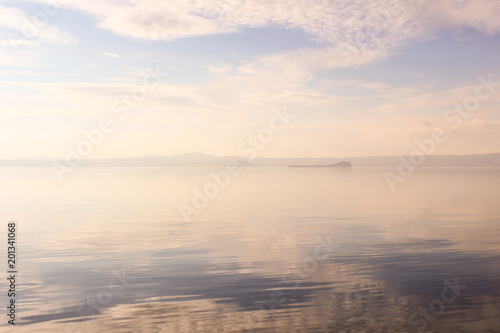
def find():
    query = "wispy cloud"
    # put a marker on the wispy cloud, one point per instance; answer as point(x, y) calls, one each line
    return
point(22, 33)
point(111, 55)
point(219, 69)
point(29, 30)
point(354, 32)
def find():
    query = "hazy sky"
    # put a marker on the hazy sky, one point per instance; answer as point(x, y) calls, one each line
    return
point(363, 77)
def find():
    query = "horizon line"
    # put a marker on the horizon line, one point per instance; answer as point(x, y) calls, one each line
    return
point(41, 158)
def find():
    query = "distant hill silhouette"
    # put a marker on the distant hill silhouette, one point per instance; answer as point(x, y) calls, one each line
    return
point(204, 160)
point(342, 164)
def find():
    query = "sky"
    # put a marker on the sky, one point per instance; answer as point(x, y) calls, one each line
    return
point(360, 77)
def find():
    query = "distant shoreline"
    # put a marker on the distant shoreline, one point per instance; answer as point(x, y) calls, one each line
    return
point(342, 164)
point(204, 160)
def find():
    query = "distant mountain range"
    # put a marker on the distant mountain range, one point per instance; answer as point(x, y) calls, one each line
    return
point(204, 160)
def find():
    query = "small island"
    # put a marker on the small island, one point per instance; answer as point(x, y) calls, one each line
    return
point(342, 164)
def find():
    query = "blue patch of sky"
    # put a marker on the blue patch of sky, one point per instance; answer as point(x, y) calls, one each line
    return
point(186, 58)
point(444, 62)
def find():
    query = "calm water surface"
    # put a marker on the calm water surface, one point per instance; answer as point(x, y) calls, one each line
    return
point(278, 250)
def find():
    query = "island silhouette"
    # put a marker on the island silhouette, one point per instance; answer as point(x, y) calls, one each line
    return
point(342, 164)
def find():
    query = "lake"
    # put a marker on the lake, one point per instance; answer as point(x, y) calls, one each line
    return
point(276, 250)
